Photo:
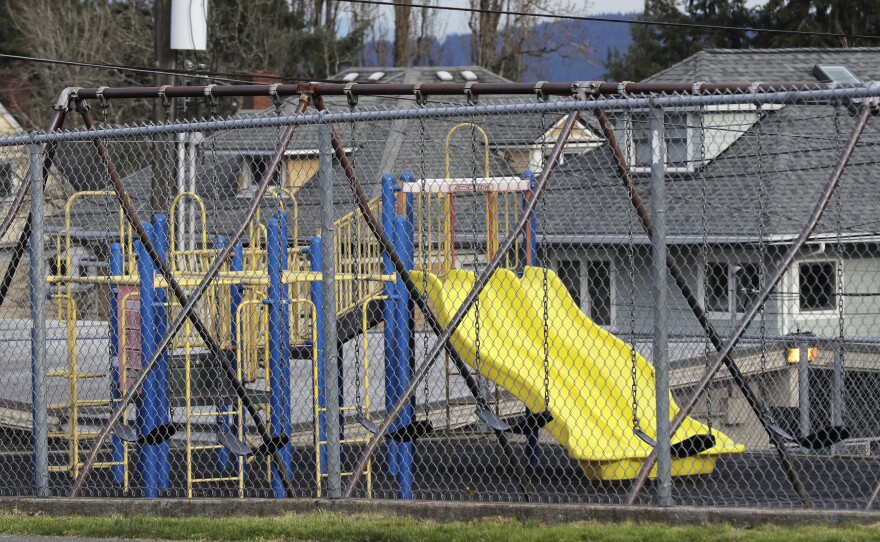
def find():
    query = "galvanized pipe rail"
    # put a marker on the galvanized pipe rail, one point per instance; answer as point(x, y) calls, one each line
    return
point(474, 89)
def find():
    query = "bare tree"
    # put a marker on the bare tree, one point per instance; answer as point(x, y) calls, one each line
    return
point(104, 32)
point(508, 43)
point(429, 27)
point(484, 31)
point(402, 32)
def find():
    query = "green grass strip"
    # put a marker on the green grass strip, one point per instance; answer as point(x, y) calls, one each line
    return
point(335, 527)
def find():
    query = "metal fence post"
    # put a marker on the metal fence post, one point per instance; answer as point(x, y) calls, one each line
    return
point(804, 387)
point(38, 292)
point(661, 309)
point(328, 276)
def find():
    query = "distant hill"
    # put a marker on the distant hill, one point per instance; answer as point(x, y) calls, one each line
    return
point(455, 49)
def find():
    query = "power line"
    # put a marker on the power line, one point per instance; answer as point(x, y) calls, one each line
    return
point(228, 77)
point(612, 19)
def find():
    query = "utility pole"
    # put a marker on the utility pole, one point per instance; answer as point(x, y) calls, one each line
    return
point(162, 185)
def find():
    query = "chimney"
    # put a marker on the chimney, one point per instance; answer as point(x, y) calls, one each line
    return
point(260, 102)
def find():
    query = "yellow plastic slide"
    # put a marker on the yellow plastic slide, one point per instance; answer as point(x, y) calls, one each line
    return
point(589, 370)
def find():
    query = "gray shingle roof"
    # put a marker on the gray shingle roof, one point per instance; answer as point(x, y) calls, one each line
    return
point(769, 65)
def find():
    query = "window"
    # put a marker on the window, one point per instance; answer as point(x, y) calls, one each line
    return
point(836, 73)
point(599, 292)
point(570, 275)
point(717, 287)
point(7, 179)
point(731, 288)
point(258, 166)
point(679, 156)
point(598, 287)
point(816, 282)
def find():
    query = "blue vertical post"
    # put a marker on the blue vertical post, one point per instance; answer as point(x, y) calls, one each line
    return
point(530, 258)
point(116, 391)
point(279, 364)
point(317, 297)
point(404, 247)
point(236, 295)
point(406, 325)
point(224, 458)
point(147, 411)
point(160, 241)
point(391, 332)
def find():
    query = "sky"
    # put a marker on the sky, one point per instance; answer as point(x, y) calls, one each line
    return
point(456, 22)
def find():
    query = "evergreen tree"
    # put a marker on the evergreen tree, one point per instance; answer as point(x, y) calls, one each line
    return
point(837, 16)
point(655, 48)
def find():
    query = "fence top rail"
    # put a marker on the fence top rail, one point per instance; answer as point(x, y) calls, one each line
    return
point(446, 89)
point(364, 114)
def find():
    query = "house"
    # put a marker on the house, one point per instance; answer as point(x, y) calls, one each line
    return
point(14, 164)
point(762, 172)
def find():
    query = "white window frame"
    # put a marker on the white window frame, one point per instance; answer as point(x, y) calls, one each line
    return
point(732, 285)
point(694, 146)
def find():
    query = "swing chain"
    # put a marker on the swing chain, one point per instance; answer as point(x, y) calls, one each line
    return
point(839, 250)
point(352, 103)
point(545, 302)
point(478, 361)
point(762, 232)
point(423, 246)
point(704, 255)
point(631, 262)
point(104, 104)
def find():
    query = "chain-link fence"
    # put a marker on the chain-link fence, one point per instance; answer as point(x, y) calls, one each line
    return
point(450, 299)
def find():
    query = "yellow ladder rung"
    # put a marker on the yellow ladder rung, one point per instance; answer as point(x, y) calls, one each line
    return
point(80, 403)
point(82, 376)
point(346, 441)
point(226, 479)
point(342, 473)
point(205, 447)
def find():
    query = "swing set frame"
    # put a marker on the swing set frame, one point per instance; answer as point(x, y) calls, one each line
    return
point(313, 93)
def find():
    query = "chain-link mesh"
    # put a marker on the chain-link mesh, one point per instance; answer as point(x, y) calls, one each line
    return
point(547, 388)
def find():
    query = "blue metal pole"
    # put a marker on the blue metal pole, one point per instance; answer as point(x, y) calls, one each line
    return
point(224, 458)
point(160, 241)
point(284, 309)
point(403, 313)
point(317, 296)
point(389, 205)
point(116, 391)
point(236, 295)
point(279, 367)
point(147, 410)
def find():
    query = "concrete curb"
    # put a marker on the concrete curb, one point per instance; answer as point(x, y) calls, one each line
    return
point(436, 511)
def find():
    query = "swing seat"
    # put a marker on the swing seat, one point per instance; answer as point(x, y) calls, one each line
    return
point(417, 429)
point(408, 433)
point(529, 422)
point(485, 415)
point(688, 447)
point(241, 449)
point(235, 446)
point(818, 440)
point(157, 435)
